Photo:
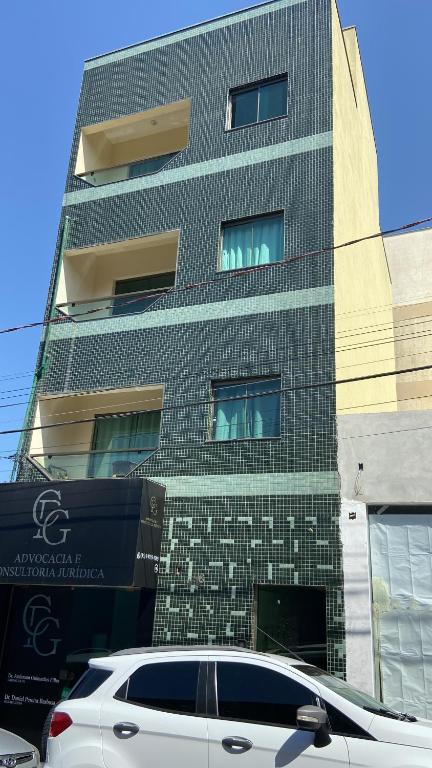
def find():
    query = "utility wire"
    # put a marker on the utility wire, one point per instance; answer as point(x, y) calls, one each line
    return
point(337, 350)
point(238, 273)
point(178, 406)
point(182, 444)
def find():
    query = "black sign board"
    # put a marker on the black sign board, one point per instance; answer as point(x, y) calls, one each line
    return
point(81, 532)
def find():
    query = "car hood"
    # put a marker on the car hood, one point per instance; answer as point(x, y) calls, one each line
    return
point(10, 744)
point(418, 734)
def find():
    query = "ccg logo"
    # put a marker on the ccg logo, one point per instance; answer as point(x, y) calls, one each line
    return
point(40, 626)
point(47, 511)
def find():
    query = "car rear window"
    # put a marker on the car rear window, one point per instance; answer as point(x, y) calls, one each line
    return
point(89, 682)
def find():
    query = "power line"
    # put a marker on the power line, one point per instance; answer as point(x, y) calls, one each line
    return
point(238, 273)
point(181, 445)
point(179, 406)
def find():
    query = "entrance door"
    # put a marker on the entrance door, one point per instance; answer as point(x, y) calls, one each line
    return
point(292, 617)
point(256, 723)
point(401, 561)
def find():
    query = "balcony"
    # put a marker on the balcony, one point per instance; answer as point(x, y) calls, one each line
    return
point(134, 145)
point(110, 306)
point(91, 464)
point(118, 278)
point(99, 434)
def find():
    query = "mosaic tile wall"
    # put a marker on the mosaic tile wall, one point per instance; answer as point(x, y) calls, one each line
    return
point(254, 511)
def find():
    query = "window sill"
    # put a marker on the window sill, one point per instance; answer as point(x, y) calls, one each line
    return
point(259, 122)
point(241, 440)
point(249, 269)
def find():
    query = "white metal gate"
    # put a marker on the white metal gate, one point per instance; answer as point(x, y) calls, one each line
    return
point(401, 561)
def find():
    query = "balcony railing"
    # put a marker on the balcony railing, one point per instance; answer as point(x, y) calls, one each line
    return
point(129, 171)
point(82, 465)
point(111, 306)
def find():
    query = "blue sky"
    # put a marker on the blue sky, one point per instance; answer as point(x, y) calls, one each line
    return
point(42, 48)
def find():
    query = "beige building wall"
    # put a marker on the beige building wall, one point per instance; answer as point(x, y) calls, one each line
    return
point(410, 260)
point(363, 299)
point(47, 445)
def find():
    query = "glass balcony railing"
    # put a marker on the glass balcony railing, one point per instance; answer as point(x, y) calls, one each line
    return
point(129, 171)
point(83, 465)
point(111, 306)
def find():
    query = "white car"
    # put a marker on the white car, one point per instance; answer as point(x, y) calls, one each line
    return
point(218, 707)
point(16, 751)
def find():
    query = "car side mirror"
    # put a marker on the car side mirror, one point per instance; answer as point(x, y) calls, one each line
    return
point(314, 719)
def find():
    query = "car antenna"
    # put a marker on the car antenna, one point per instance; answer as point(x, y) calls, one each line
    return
point(285, 647)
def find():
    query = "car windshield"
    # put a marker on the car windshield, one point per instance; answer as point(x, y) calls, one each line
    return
point(347, 691)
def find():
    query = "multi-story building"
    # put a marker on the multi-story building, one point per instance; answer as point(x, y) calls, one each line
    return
point(193, 311)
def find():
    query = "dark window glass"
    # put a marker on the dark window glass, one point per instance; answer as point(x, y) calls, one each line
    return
point(342, 725)
point(272, 100)
point(260, 102)
point(150, 283)
point(248, 692)
point(240, 411)
point(150, 165)
point(244, 105)
point(171, 686)
point(89, 682)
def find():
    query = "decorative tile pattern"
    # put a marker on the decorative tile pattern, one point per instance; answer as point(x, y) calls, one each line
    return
point(196, 313)
point(196, 170)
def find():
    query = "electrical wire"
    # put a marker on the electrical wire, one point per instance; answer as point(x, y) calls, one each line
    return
point(234, 274)
point(348, 348)
point(178, 406)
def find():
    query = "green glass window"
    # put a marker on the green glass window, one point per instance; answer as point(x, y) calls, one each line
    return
point(150, 165)
point(252, 242)
point(122, 442)
point(153, 284)
point(241, 411)
point(256, 103)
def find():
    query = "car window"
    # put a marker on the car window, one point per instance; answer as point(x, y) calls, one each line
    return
point(344, 689)
point(170, 686)
point(342, 725)
point(258, 694)
point(89, 682)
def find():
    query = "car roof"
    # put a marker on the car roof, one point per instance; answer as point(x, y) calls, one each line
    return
point(123, 657)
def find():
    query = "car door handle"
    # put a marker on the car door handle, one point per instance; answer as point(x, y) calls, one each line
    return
point(125, 730)
point(236, 745)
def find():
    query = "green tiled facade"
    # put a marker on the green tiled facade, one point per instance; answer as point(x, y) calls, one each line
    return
point(253, 511)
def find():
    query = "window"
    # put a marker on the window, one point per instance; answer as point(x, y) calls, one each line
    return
point(342, 725)
point(154, 285)
point(120, 443)
point(89, 682)
point(240, 411)
point(252, 242)
point(170, 686)
point(256, 694)
point(258, 102)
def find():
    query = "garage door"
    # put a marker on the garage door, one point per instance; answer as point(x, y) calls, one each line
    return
point(401, 561)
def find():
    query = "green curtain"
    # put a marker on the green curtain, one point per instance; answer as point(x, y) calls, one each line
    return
point(247, 417)
point(259, 241)
point(118, 436)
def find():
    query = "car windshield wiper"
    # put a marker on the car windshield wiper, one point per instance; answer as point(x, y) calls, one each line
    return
point(390, 713)
point(382, 711)
point(406, 716)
